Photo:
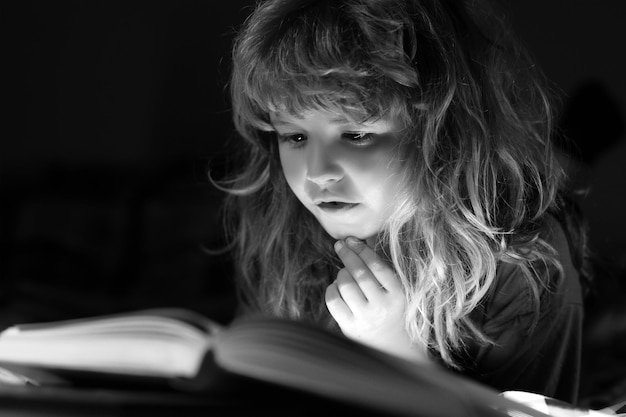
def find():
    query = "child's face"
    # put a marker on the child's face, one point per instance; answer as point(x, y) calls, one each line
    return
point(343, 172)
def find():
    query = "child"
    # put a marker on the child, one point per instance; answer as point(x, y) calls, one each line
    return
point(399, 185)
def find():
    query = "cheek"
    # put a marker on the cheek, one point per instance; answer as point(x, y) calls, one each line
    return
point(376, 170)
point(293, 168)
point(378, 177)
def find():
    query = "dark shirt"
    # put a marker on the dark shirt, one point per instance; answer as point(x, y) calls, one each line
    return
point(543, 359)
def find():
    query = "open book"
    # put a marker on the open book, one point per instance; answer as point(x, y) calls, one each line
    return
point(179, 345)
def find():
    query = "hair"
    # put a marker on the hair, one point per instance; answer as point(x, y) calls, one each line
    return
point(478, 174)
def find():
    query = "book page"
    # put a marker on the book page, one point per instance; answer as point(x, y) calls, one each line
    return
point(307, 358)
point(161, 343)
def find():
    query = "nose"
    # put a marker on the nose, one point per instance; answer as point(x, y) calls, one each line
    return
point(323, 168)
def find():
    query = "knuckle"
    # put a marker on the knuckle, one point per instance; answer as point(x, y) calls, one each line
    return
point(359, 273)
point(330, 290)
point(343, 275)
point(377, 265)
point(332, 301)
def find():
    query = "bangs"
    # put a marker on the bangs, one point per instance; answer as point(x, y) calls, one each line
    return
point(322, 57)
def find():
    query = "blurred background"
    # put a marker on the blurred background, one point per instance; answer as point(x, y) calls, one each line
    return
point(113, 110)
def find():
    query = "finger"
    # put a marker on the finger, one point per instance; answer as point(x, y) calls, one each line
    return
point(384, 274)
point(359, 271)
point(373, 275)
point(350, 290)
point(336, 306)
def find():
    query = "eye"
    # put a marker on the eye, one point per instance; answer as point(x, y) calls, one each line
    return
point(358, 138)
point(294, 139)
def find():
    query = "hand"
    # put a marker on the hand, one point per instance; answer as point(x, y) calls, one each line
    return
point(367, 300)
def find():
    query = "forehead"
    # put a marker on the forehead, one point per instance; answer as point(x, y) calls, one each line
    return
point(281, 117)
point(315, 117)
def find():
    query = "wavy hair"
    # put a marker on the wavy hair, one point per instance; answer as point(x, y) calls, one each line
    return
point(478, 171)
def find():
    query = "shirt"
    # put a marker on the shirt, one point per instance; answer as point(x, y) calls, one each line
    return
point(544, 358)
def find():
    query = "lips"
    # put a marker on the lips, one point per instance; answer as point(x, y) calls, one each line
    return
point(335, 205)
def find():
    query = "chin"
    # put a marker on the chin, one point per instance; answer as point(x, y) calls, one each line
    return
point(345, 233)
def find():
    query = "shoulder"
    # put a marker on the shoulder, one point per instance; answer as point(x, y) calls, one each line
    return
point(560, 282)
point(531, 347)
point(553, 285)
point(527, 302)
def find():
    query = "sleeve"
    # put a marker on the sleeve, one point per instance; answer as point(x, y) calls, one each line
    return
point(543, 358)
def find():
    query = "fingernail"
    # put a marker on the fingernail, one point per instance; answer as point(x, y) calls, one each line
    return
point(352, 241)
point(338, 245)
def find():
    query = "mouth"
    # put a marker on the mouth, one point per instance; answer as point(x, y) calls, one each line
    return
point(333, 206)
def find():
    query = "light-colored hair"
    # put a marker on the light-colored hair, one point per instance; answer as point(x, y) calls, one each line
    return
point(478, 170)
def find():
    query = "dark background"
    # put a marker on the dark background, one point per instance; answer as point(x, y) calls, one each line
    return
point(112, 110)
